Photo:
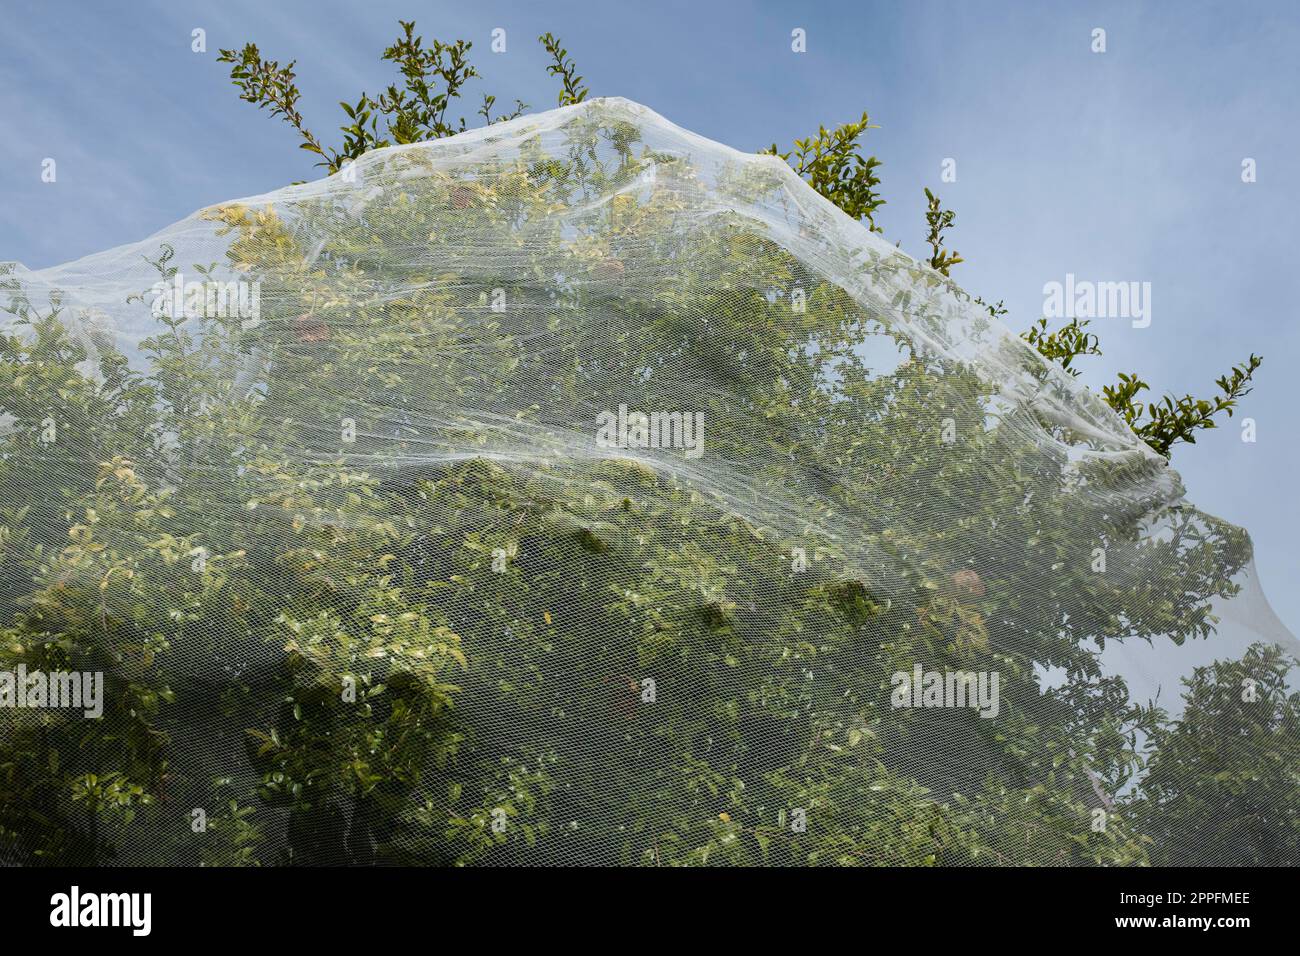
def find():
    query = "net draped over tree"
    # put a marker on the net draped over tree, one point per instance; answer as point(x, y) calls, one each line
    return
point(577, 490)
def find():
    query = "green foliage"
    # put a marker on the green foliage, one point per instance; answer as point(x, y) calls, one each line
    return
point(1227, 773)
point(270, 86)
point(233, 836)
point(572, 90)
point(1160, 424)
point(938, 220)
point(1065, 344)
point(433, 77)
point(1177, 419)
point(833, 164)
point(324, 628)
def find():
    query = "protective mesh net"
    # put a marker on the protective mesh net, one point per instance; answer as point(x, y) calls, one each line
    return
point(580, 491)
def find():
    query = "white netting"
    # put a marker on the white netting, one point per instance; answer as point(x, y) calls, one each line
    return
point(579, 490)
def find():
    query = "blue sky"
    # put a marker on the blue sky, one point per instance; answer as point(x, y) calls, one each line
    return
point(1116, 166)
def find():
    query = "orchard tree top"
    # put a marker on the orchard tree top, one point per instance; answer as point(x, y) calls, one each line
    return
point(832, 162)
